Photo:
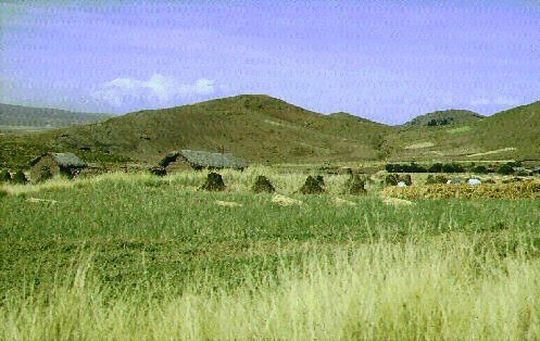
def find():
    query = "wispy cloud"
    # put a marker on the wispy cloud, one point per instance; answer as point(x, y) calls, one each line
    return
point(157, 90)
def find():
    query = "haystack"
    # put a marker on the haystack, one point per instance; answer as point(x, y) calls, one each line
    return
point(214, 182)
point(263, 185)
point(311, 186)
point(355, 185)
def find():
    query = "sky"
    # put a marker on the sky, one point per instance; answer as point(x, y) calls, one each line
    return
point(383, 60)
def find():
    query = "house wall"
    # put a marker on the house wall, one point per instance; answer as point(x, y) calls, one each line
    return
point(179, 165)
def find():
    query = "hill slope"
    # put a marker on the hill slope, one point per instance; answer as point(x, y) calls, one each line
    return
point(260, 128)
point(255, 127)
point(446, 117)
point(511, 134)
point(22, 116)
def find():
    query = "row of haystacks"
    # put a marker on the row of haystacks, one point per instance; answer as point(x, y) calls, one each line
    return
point(355, 185)
point(515, 190)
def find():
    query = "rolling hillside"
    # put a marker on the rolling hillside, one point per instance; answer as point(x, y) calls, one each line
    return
point(263, 129)
point(446, 117)
point(511, 134)
point(258, 128)
point(22, 116)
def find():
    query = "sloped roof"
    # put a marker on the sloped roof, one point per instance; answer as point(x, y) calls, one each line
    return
point(62, 159)
point(217, 160)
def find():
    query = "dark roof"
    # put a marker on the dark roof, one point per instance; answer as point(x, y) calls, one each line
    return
point(217, 160)
point(206, 159)
point(62, 159)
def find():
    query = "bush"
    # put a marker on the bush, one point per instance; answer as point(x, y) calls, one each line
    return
point(19, 178)
point(5, 176)
point(453, 168)
point(480, 170)
point(436, 168)
point(43, 174)
point(407, 179)
point(391, 180)
point(404, 168)
point(439, 179)
point(505, 169)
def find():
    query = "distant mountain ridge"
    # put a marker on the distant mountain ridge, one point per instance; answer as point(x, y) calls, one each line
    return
point(18, 115)
point(445, 117)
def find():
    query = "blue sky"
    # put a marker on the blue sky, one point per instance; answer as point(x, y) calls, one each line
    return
point(383, 60)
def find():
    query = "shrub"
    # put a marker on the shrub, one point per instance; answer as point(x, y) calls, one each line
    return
point(43, 174)
point(263, 185)
point(407, 179)
point(413, 167)
point(436, 168)
point(19, 178)
point(311, 186)
point(480, 170)
point(5, 176)
point(453, 168)
point(391, 180)
point(505, 169)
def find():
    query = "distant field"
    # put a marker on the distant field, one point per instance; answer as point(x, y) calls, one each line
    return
point(21, 129)
point(134, 256)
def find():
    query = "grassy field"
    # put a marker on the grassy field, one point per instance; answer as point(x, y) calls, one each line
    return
point(138, 257)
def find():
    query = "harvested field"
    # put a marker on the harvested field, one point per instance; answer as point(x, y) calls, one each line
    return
point(517, 190)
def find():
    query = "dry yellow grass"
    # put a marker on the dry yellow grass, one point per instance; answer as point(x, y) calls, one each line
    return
point(282, 200)
point(228, 203)
point(516, 190)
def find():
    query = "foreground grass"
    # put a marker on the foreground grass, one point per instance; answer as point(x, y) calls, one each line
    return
point(137, 257)
point(432, 289)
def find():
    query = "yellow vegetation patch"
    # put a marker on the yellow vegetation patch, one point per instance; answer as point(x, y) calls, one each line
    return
point(459, 130)
point(397, 202)
point(508, 149)
point(342, 202)
point(228, 203)
point(38, 200)
point(282, 200)
point(420, 145)
point(517, 190)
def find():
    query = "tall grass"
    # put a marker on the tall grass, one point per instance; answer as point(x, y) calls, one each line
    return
point(168, 263)
point(436, 288)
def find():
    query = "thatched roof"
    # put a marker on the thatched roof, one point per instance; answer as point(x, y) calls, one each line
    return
point(61, 159)
point(205, 159)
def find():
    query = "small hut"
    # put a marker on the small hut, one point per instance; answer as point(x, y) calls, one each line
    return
point(185, 159)
point(67, 164)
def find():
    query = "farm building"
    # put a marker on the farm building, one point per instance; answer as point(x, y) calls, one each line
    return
point(58, 163)
point(186, 159)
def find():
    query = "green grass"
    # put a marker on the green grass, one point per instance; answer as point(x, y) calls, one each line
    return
point(133, 256)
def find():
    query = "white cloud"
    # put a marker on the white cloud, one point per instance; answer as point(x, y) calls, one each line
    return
point(157, 90)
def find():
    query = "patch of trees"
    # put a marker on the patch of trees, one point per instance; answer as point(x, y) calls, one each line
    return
point(416, 168)
point(405, 168)
point(440, 121)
